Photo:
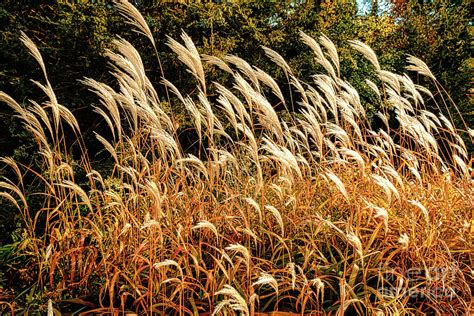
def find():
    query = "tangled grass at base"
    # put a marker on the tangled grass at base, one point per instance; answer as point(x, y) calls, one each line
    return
point(315, 213)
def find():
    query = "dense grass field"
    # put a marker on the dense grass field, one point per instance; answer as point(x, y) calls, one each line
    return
point(313, 211)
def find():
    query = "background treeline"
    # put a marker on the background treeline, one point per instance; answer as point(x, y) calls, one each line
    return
point(73, 36)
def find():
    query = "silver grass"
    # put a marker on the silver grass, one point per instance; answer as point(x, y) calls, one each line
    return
point(148, 222)
point(283, 155)
point(193, 160)
point(332, 51)
point(167, 142)
point(297, 84)
point(245, 89)
point(278, 60)
point(78, 190)
point(380, 213)
point(155, 196)
point(9, 161)
point(34, 51)
point(108, 146)
point(216, 61)
point(404, 240)
point(350, 154)
point(267, 279)
point(269, 82)
point(195, 114)
point(167, 263)
point(339, 133)
point(125, 229)
point(244, 68)
point(392, 80)
point(462, 166)
point(337, 181)
point(384, 119)
point(277, 216)
point(373, 86)
point(131, 59)
point(107, 96)
point(208, 225)
point(313, 44)
point(389, 170)
point(424, 90)
point(366, 51)
point(319, 55)
point(326, 85)
point(409, 85)
point(416, 64)
point(50, 308)
point(235, 301)
point(252, 234)
point(189, 55)
point(255, 205)
point(292, 269)
point(351, 96)
point(40, 111)
point(421, 207)
point(134, 18)
point(238, 248)
point(447, 123)
point(354, 240)
point(387, 186)
point(317, 104)
point(236, 103)
point(208, 115)
point(10, 197)
point(69, 118)
point(228, 109)
point(266, 114)
point(319, 287)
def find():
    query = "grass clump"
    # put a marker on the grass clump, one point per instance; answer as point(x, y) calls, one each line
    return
point(319, 211)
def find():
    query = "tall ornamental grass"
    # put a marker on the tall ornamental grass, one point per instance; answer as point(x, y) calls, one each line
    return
point(315, 211)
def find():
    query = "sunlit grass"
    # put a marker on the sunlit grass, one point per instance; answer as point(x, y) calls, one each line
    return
point(319, 212)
